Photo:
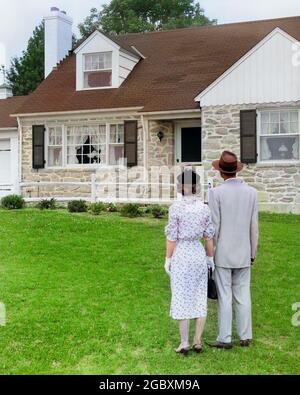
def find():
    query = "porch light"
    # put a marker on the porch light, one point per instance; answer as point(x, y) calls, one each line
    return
point(160, 135)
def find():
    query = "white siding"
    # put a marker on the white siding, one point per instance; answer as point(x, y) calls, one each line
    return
point(267, 74)
point(126, 65)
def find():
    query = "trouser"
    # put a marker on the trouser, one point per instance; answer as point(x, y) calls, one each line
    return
point(233, 287)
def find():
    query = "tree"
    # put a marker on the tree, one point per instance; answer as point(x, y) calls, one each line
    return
point(27, 72)
point(134, 16)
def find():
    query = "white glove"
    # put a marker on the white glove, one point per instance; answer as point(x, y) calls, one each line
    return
point(168, 266)
point(210, 263)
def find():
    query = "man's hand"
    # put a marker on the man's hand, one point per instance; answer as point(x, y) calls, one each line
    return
point(252, 261)
point(210, 263)
point(168, 266)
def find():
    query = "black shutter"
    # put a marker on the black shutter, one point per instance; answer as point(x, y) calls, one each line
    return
point(130, 142)
point(248, 136)
point(38, 146)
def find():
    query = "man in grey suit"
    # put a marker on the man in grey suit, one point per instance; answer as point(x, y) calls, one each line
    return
point(234, 208)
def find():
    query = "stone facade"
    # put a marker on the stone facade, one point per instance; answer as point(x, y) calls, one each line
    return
point(278, 185)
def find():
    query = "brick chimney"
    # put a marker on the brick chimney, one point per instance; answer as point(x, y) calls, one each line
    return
point(58, 38)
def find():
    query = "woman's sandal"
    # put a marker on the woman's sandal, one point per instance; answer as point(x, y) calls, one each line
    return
point(197, 348)
point(183, 350)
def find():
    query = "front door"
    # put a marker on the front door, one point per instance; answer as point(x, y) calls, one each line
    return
point(188, 143)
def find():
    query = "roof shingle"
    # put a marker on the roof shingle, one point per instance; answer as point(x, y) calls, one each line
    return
point(179, 65)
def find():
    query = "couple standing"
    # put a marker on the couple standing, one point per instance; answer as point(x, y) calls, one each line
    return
point(229, 228)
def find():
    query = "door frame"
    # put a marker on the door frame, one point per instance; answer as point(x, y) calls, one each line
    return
point(193, 123)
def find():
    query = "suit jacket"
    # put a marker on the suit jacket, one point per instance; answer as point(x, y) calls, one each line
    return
point(234, 209)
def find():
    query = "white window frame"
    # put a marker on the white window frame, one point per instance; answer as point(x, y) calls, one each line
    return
point(91, 166)
point(259, 135)
point(84, 71)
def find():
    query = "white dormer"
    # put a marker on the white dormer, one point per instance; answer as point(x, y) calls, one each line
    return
point(101, 63)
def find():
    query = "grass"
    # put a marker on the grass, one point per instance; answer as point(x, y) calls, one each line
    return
point(88, 295)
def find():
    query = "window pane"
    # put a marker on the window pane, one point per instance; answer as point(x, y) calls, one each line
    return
point(294, 116)
point(51, 136)
point(274, 116)
point(265, 128)
point(120, 137)
point(116, 154)
point(284, 116)
point(97, 79)
point(279, 148)
point(55, 156)
point(274, 128)
point(113, 134)
point(294, 127)
point(265, 117)
point(284, 127)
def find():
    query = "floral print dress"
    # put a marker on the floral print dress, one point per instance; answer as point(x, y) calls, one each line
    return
point(189, 221)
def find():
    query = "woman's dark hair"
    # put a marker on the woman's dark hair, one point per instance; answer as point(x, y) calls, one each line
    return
point(188, 178)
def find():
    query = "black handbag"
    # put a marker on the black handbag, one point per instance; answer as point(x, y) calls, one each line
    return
point(211, 287)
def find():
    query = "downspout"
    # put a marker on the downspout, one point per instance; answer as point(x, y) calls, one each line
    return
point(20, 153)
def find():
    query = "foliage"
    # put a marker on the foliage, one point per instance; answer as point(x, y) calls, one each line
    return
point(27, 72)
point(47, 204)
point(158, 211)
point(131, 210)
point(97, 208)
point(133, 16)
point(112, 208)
point(77, 206)
point(12, 202)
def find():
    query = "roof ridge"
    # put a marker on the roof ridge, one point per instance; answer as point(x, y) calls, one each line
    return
point(209, 26)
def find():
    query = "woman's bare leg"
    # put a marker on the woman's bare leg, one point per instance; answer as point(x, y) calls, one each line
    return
point(199, 328)
point(184, 334)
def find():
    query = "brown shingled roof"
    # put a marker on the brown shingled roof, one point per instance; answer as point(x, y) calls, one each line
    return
point(179, 64)
point(7, 107)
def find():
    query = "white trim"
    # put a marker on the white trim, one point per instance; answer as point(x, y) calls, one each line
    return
point(91, 37)
point(242, 59)
point(107, 111)
point(15, 129)
point(138, 52)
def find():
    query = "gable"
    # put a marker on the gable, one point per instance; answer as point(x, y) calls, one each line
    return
point(266, 74)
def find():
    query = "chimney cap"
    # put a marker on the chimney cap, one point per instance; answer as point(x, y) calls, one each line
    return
point(52, 9)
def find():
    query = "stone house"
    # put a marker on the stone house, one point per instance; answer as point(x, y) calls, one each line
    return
point(133, 108)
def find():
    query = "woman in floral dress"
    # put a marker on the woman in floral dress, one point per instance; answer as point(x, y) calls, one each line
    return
point(187, 261)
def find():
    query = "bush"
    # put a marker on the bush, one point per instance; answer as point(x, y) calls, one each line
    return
point(112, 208)
point(131, 210)
point(97, 208)
point(47, 204)
point(12, 202)
point(158, 211)
point(77, 206)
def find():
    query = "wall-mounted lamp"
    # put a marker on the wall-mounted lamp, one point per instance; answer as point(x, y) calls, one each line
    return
point(160, 135)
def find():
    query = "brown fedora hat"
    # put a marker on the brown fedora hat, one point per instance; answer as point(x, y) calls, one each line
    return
point(228, 163)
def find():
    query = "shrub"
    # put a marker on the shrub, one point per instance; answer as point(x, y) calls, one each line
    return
point(12, 202)
point(47, 204)
point(77, 206)
point(131, 210)
point(158, 211)
point(97, 208)
point(112, 208)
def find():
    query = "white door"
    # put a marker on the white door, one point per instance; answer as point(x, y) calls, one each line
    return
point(5, 168)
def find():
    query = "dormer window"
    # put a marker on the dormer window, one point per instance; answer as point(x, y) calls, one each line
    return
point(97, 70)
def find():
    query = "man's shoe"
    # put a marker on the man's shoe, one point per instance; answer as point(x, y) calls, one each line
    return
point(220, 345)
point(245, 343)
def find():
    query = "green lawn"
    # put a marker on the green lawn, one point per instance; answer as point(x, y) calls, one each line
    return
point(88, 295)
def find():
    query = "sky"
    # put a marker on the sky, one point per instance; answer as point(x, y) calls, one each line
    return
point(18, 18)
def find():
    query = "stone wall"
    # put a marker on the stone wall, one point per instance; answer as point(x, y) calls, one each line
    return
point(278, 185)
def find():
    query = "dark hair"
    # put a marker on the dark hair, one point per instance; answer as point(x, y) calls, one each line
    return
point(188, 178)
